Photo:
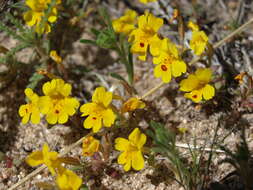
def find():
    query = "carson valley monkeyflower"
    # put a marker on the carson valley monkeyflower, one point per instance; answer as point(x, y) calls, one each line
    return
point(147, 1)
point(55, 56)
point(50, 159)
point(57, 103)
point(30, 110)
point(68, 180)
point(199, 39)
point(90, 146)
point(132, 104)
point(99, 111)
point(146, 36)
point(168, 62)
point(125, 24)
point(37, 12)
point(197, 85)
point(131, 155)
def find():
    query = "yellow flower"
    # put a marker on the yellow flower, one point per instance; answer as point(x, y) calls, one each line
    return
point(30, 110)
point(50, 159)
point(168, 62)
point(68, 180)
point(57, 103)
point(147, 1)
point(240, 77)
point(199, 39)
point(132, 104)
point(37, 12)
point(197, 85)
point(131, 155)
point(98, 111)
point(90, 146)
point(146, 36)
point(125, 24)
point(55, 56)
point(193, 26)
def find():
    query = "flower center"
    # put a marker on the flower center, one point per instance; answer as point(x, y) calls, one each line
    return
point(164, 68)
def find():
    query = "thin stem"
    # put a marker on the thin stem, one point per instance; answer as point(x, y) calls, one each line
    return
point(238, 30)
point(151, 91)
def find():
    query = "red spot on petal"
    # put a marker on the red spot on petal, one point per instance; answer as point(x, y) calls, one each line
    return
point(142, 44)
point(26, 110)
point(164, 68)
point(195, 96)
point(94, 118)
point(57, 111)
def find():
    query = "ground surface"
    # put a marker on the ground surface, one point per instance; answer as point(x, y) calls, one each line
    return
point(167, 104)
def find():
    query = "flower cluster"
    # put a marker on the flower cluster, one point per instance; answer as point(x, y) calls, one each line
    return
point(166, 55)
point(56, 104)
point(65, 179)
point(35, 16)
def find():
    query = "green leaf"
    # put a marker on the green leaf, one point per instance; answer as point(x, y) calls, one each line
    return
point(106, 39)
point(117, 76)
point(85, 41)
point(33, 81)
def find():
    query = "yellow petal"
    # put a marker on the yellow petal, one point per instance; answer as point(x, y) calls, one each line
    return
point(208, 92)
point(122, 158)
point(101, 96)
point(44, 104)
point(204, 74)
point(87, 108)
point(121, 144)
point(195, 95)
point(155, 45)
point(26, 118)
point(154, 22)
point(93, 122)
point(178, 67)
point(189, 84)
point(68, 180)
point(138, 160)
point(51, 118)
point(35, 117)
point(137, 138)
point(63, 118)
point(108, 118)
point(127, 166)
point(35, 159)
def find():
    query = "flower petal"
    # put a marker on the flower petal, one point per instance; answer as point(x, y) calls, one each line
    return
point(108, 118)
point(208, 92)
point(137, 160)
point(121, 144)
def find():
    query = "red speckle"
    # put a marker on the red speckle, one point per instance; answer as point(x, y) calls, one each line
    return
point(57, 111)
point(8, 162)
point(164, 68)
point(195, 96)
point(26, 110)
point(94, 118)
point(142, 44)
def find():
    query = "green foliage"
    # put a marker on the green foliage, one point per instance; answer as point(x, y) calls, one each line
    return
point(108, 39)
